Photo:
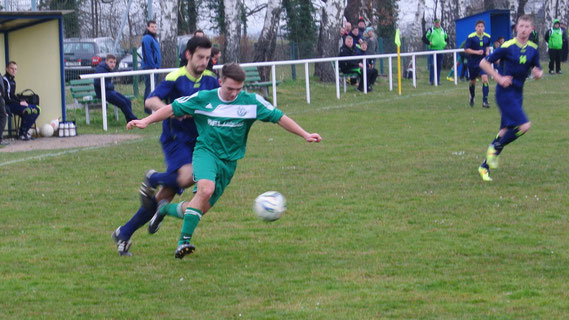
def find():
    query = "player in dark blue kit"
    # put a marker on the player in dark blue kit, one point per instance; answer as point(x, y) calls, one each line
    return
point(519, 56)
point(477, 46)
point(178, 139)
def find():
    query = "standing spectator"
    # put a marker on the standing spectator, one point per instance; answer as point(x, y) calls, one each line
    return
point(214, 60)
point(3, 114)
point(28, 112)
point(564, 49)
point(151, 56)
point(533, 37)
point(361, 25)
point(113, 96)
point(478, 47)
point(554, 39)
point(372, 44)
point(437, 39)
point(356, 36)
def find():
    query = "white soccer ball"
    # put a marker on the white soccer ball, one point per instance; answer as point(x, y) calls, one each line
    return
point(270, 205)
point(46, 130)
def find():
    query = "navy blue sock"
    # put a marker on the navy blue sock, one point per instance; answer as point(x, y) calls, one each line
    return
point(165, 179)
point(140, 218)
point(510, 135)
point(485, 90)
point(471, 88)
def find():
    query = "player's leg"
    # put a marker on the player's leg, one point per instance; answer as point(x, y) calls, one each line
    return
point(485, 90)
point(166, 194)
point(472, 75)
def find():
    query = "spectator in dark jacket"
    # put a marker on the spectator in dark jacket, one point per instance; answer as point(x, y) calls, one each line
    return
point(113, 96)
point(151, 56)
point(3, 114)
point(355, 66)
point(28, 112)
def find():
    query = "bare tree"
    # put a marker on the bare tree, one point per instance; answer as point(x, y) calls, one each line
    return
point(330, 23)
point(267, 41)
point(168, 30)
point(233, 12)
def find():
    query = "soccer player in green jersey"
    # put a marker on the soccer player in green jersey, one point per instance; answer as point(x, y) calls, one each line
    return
point(223, 117)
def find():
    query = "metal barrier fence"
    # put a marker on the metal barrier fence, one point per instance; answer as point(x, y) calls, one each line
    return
point(306, 62)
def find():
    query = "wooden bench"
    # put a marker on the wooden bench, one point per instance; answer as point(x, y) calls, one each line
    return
point(253, 81)
point(344, 76)
point(83, 93)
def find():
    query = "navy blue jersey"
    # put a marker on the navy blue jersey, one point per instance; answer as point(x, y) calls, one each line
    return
point(180, 83)
point(518, 60)
point(476, 42)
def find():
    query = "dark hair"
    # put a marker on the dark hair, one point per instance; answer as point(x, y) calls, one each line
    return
point(215, 51)
point(111, 56)
point(500, 38)
point(11, 62)
point(197, 42)
point(479, 22)
point(233, 71)
point(150, 22)
point(199, 31)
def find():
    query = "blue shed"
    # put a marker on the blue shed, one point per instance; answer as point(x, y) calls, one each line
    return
point(497, 25)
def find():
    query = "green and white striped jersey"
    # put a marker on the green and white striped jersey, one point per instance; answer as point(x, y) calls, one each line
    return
point(223, 126)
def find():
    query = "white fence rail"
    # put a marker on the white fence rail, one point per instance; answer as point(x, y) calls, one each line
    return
point(334, 60)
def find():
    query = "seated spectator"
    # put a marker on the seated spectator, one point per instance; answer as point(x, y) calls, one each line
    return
point(113, 97)
point(355, 66)
point(3, 114)
point(28, 112)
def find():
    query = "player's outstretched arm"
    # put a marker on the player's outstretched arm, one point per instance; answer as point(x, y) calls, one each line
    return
point(161, 114)
point(154, 103)
point(289, 125)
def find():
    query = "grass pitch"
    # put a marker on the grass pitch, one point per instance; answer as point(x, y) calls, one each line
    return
point(387, 218)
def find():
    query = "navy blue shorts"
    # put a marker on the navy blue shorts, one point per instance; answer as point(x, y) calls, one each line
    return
point(474, 72)
point(176, 155)
point(510, 103)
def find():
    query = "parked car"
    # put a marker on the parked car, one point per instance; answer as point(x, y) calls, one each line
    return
point(82, 55)
point(126, 63)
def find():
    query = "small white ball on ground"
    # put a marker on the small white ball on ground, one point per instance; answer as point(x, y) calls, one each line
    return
point(270, 205)
point(46, 130)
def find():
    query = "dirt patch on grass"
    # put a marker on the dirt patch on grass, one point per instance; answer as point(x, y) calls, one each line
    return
point(52, 143)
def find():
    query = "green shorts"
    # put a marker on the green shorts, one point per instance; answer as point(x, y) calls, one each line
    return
point(208, 166)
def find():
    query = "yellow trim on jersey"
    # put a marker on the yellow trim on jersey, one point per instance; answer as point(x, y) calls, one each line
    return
point(209, 73)
point(474, 34)
point(515, 41)
point(182, 71)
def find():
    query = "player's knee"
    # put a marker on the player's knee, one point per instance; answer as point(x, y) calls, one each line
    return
point(206, 189)
point(524, 127)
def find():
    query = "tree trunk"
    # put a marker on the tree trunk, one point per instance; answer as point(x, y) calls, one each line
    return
point(267, 41)
point(168, 30)
point(231, 48)
point(352, 11)
point(328, 37)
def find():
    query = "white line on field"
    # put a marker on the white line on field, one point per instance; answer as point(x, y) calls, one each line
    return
point(65, 152)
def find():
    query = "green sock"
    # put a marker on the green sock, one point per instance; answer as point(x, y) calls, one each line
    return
point(191, 219)
point(173, 209)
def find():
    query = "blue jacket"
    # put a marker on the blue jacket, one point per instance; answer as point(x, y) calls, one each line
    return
point(103, 68)
point(151, 56)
